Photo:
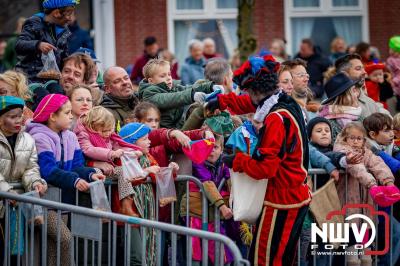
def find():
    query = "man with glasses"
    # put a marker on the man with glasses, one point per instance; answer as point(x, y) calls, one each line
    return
point(42, 33)
point(352, 65)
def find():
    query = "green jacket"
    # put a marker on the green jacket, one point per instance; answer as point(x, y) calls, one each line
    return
point(171, 102)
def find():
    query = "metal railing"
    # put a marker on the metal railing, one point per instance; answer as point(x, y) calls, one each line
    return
point(93, 216)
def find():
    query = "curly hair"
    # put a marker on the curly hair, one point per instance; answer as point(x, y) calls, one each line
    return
point(18, 81)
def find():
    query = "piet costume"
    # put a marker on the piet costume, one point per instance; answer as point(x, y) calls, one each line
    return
point(281, 155)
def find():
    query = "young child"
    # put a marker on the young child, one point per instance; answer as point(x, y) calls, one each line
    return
point(18, 157)
point(42, 33)
point(361, 177)
point(61, 163)
point(95, 132)
point(141, 194)
point(376, 84)
point(211, 173)
point(393, 64)
point(158, 87)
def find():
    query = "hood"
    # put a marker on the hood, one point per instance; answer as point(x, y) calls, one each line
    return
point(191, 61)
point(33, 129)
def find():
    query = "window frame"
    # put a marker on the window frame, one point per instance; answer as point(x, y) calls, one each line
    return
point(325, 9)
point(210, 11)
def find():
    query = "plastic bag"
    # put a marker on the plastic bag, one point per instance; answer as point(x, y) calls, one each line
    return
point(131, 168)
point(50, 69)
point(36, 213)
point(247, 197)
point(165, 186)
point(99, 196)
point(17, 230)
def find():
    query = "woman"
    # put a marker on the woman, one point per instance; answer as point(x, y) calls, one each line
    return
point(81, 101)
point(342, 105)
point(281, 156)
point(14, 83)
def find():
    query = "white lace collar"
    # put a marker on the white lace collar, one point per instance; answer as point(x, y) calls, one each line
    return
point(263, 111)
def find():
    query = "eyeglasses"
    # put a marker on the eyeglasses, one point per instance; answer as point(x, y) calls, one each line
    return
point(354, 138)
point(302, 75)
point(81, 100)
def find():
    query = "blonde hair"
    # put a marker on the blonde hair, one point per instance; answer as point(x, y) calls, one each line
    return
point(352, 125)
point(345, 99)
point(150, 69)
point(18, 81)
point(77, 87)
point(98, 117)
point(396, 121)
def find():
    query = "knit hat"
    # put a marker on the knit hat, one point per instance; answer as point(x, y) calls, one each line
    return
point(54, 4)
point(394, 43)
point(313, 122)
point(221, 124)
point(371, 67)
point(133, 131)
point(8, 103)
point(48, 105)
point(258, 73)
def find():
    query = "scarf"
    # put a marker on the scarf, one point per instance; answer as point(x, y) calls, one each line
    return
point(346, 115)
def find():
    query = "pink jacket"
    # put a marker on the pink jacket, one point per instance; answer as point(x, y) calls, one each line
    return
point(393, 64)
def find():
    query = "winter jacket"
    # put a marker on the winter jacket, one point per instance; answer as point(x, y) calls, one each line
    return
point(34, 31)
point(286, 176)
point(317, 64)
point(79, 38)
point(393, 64)
point(320, 160)
point(369, 106)
point(192, 70)
point(360, 177)
point(60, 159)
point(20, 164)
point(120, 108)
point(334, 156)
point(171, 102)
point(386, 154)
point(374, 91)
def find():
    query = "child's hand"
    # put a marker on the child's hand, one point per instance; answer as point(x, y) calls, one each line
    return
point(46, 47)
point(335, 175)
point(116, 154)
point(82, 185)
point(181, 138)
point(152, 169)
point(174, 166)
point(226, 212)
point(106, 168)
point(39, 187)
point(96, 177)
point(354, 158)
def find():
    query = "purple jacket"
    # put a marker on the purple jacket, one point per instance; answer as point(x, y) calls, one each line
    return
point(211, 172)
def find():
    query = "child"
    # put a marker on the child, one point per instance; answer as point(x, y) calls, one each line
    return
point(352, 139)
point(42, 33)
point(376, 84)
point(393, 64)
point(396, 129)
point(141, 194)
point(158, 87)
point(61, 162)
point(211, 173)
point(95, 132)
point(18, 157)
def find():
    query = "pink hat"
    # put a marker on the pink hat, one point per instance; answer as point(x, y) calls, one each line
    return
point(385, 196)
point(48, 105)
point(199, 150)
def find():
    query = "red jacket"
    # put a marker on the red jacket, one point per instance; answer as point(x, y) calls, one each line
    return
point(286, 186)
point(373, 91)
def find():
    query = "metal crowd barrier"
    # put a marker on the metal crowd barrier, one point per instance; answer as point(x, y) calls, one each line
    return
point(33, 254)
point(313, 173)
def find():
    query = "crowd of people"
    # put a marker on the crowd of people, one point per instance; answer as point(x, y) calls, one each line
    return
point(66, 124)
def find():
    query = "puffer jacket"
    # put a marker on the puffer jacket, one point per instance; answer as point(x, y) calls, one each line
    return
point(171, 102)
point(19, 165)
point(34, 31)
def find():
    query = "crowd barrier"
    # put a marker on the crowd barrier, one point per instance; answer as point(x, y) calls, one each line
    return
point(54, 195)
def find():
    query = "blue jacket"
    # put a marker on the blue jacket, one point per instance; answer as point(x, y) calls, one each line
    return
point(320, 160)
point(192, 70)
point(60, 159)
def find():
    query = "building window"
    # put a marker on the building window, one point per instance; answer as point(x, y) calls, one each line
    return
point(323, 20)
point(200, 19)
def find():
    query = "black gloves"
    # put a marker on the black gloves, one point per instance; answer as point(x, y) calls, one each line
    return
point(228, 160)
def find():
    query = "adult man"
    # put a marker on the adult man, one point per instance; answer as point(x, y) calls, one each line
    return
point(352, 65)
point(317, 64)
point(150, 51)
point(209, 49)
point(192, 70)
point(119, 96)
point(78, 69)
